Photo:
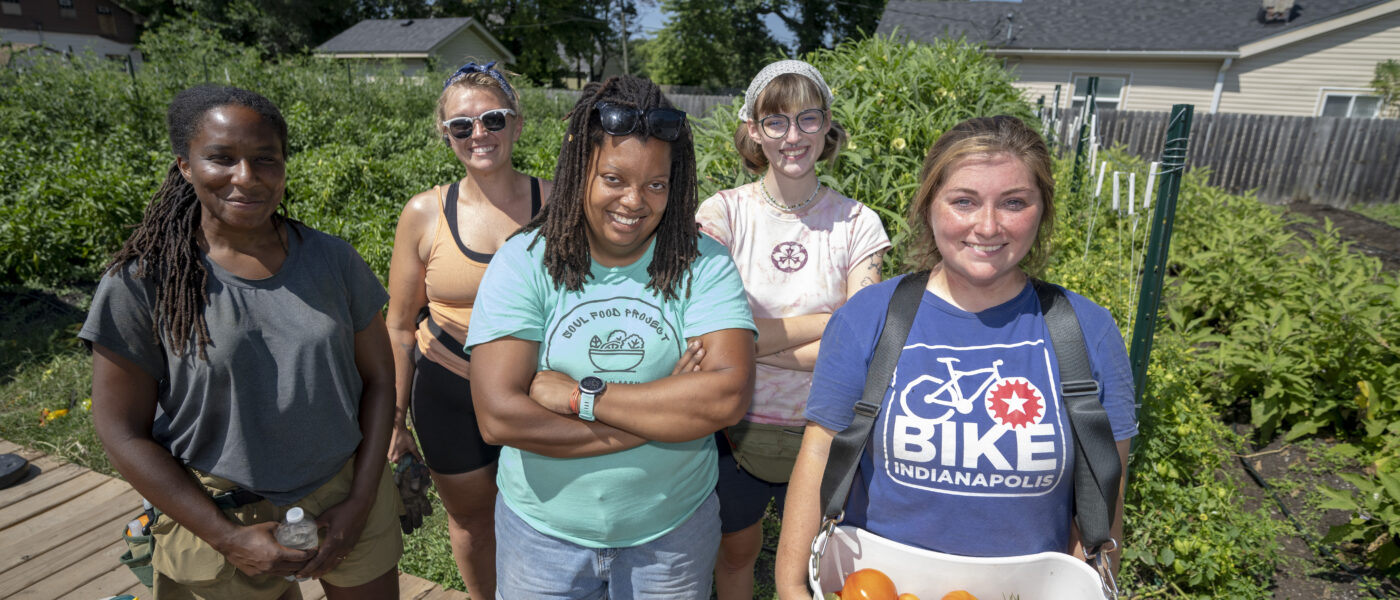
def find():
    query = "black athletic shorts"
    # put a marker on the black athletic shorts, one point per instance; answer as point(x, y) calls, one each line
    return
point(443, 416)
point(743, 498)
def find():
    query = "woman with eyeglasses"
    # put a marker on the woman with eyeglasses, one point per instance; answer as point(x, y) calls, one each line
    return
point(802, 249)
point(579, 343)
point(445, 238)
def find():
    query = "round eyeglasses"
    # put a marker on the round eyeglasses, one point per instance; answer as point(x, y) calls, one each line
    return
point(808, 121)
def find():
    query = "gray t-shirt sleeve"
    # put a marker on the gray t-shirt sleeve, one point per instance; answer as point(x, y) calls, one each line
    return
point(367, 294)
point(121, 320)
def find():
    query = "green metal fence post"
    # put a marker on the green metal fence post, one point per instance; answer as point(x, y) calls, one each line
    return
point(1155, 263)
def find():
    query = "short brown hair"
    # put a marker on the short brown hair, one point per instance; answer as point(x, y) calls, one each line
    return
point(788, 92)
point(983, 136)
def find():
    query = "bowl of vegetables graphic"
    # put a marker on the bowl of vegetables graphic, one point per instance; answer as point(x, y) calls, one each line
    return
point(619, 352)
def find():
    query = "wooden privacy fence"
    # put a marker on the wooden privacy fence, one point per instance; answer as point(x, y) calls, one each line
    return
point(1322, 160)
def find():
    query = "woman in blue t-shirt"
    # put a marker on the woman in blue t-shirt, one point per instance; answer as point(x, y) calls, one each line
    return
point(608, 468)
point(971, 452)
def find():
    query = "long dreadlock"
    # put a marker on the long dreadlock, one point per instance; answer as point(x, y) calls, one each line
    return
point(562, 222)
point(165, 247)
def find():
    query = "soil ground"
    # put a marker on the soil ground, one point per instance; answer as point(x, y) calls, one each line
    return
point(1289, 474)
point(1369, 236)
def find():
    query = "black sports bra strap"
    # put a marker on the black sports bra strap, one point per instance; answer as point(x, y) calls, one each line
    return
point(449, 212)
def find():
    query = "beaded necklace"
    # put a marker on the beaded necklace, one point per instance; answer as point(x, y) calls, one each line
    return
point(783, 207)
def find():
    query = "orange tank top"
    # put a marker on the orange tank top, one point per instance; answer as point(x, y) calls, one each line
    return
point(454, 273)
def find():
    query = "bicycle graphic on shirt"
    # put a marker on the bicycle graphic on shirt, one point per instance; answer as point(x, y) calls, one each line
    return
point(950, 391)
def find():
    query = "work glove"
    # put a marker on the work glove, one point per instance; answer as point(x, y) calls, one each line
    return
point(413, 481)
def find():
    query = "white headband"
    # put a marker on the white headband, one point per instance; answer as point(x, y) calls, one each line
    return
point(769, 72)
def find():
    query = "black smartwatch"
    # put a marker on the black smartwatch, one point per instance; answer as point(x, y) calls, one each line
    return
point(588, 391)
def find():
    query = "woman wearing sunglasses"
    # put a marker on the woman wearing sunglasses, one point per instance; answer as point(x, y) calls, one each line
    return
point(802, 250)
point(445, 238)
point(608, 471)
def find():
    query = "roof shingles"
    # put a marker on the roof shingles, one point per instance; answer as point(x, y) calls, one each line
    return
point(394, 35)
point(1122, 25)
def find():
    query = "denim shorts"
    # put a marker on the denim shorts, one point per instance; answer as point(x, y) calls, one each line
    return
point(680, 564)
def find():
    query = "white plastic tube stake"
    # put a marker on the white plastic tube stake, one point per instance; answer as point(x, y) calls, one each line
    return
point(1151, 177)
point(1098, 189)
point(1116, 178)
point(1132, 191)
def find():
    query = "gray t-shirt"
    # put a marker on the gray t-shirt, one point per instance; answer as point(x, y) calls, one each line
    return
point(276, 407)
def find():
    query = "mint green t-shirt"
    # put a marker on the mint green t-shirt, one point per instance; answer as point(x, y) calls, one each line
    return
point(620, 331)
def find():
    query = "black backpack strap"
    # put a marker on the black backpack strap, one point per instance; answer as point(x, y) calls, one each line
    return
point(1097, 468)
point(847, 446)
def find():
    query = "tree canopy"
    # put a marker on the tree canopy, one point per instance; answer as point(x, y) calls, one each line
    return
point(550, 38)
point(722, 44)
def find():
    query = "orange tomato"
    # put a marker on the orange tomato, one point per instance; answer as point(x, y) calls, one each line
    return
point(907, 596)
point(959, 595)
point(868, 584)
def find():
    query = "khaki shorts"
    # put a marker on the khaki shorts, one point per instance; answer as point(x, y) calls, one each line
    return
point(187, 567)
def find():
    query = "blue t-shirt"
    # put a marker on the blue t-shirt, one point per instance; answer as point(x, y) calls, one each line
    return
point(620, 331)
point(972, 452)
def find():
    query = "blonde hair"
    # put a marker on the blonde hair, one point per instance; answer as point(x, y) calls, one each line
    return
point(791, 93)
point(983, 136)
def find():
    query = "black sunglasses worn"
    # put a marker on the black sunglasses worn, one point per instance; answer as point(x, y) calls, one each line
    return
point(664, 124)
point(493, 120)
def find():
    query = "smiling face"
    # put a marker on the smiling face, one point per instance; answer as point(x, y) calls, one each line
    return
point(984, 220)
point(484, 150)
point(237, 168)
point(629, 180)
point(794, 154)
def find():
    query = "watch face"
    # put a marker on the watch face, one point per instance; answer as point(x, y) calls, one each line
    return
point(591, 385)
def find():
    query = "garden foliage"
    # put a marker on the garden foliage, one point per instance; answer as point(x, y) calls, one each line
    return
point(1291, 332)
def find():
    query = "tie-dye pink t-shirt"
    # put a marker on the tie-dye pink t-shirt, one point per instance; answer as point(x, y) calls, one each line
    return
point(792, 264)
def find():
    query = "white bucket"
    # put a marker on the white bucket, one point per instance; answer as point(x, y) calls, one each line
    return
point(929, 575)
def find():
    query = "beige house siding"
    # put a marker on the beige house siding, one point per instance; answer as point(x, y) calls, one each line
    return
point(1152, 84)
point(1290, 80)
point(466, 46)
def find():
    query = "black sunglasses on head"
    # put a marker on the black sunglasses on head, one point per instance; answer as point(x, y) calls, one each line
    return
point(664, 124)
point(493, 120)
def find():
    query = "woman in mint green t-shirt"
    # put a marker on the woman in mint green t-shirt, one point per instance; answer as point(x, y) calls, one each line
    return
point(609, 465)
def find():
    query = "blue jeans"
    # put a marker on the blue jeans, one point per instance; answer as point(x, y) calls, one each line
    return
point(680, 564)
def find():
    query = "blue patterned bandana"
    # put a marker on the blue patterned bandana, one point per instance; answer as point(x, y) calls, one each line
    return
point(489, 69)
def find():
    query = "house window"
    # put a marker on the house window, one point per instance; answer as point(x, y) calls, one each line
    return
point(1353, 105)
point(105, 21)
point(1109, 96)
point(66, 9)
point(10, 7)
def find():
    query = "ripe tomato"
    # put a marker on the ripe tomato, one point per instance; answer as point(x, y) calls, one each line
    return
point(868, 584)
point(908, 596)
point(959, 595)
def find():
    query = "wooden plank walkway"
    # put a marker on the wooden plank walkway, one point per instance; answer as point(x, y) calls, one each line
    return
point(59, 537)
